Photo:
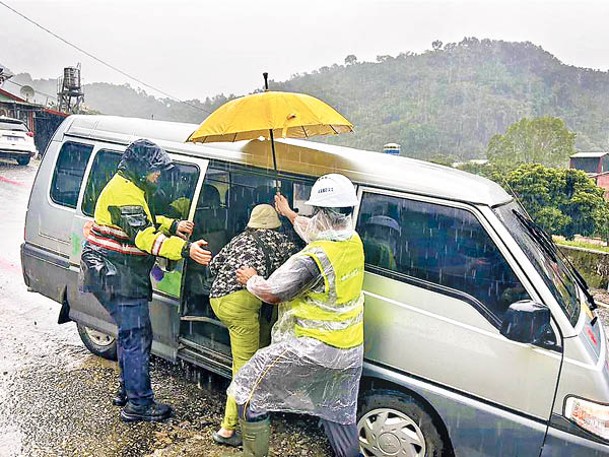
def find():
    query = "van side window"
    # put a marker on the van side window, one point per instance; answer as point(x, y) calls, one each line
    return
point(68, 173)
point(433, 245)
point(102, 170)
point(172, 197)
point(232, 191)
point(226, 200)
point(175, 191)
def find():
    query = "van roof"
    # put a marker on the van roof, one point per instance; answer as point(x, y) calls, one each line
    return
point(300, 157)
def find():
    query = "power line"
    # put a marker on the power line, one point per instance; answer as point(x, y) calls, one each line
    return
point(100, 60)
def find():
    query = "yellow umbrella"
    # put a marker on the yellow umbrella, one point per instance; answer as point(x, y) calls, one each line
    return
point(285, 114)
point(271, 114)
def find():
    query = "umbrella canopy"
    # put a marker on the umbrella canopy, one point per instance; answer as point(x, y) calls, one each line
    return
point(271, 114)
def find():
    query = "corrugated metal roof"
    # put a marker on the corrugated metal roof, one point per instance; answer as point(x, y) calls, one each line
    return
point(597, 154)
point(8, 97)
point(5, 99)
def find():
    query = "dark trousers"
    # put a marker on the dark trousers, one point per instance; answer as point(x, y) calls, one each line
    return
point(132, 317)
point(344, 439)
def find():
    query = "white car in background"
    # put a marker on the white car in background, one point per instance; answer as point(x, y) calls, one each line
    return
point(16, 140)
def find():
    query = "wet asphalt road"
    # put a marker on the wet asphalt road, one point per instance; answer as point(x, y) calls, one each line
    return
point(55, 395)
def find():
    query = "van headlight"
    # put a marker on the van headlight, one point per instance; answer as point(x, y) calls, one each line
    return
point(590, 416)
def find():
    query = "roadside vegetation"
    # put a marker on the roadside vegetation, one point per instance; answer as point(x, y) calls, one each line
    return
point(529, 160)
point(590, 244)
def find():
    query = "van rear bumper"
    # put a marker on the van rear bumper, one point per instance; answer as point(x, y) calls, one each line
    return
point(45, 272)
point(560, 443)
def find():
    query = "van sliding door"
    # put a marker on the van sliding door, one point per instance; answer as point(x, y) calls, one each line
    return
point(177, 190)
point(228, 194)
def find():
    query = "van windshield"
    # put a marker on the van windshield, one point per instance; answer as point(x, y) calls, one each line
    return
point(544, 256)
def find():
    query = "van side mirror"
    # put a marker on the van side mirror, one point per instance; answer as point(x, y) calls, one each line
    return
point(526, 321)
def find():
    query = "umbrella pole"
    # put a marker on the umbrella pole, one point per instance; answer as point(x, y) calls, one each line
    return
point(274, 162)
point(265, 75)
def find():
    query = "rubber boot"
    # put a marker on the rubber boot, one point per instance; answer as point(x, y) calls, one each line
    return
point(256, 436)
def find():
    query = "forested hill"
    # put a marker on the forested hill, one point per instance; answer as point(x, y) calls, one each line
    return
point(451, 100)
point(447, 101)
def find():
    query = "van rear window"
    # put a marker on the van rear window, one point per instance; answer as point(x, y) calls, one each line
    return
point(69, 171)
point(104, 166)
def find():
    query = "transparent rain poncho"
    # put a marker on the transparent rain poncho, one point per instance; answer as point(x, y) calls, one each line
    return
point(303, 374)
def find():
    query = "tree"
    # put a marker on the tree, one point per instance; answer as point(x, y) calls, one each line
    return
point(383, 58)
point(544, 140)
point(350, 59)
point(563, 201)
point(436, 45)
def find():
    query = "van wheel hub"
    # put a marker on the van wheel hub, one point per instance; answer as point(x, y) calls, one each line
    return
point(388, 432)
point(99, 338)
point(389, 443)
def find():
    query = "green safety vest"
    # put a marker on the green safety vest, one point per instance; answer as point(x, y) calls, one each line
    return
point(336, 315)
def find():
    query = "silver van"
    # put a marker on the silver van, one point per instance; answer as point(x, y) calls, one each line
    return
point(479, 337)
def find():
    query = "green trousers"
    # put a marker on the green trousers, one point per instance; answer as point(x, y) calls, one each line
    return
point(239, 311)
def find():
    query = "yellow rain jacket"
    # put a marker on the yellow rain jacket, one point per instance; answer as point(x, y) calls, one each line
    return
point(124, 240)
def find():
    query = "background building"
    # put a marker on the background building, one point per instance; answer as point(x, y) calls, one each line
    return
point(596, 165)
point(42, 121)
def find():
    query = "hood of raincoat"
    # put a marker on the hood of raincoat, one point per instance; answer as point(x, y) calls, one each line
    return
point(141, 158)
point(325, 224)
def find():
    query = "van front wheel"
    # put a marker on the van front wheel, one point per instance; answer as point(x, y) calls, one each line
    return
point(391, 423)
point(98, 343)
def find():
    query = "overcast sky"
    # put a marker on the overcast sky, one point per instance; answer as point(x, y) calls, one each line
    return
point(198, 48)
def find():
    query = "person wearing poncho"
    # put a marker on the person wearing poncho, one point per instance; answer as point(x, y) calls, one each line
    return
point(262, 246)
point(314, 363)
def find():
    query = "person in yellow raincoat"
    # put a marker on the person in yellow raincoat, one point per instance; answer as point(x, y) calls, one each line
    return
point(116, 261)
point(314, 363)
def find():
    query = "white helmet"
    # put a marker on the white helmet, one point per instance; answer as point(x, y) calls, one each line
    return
point(333, 191)
point(384, 221)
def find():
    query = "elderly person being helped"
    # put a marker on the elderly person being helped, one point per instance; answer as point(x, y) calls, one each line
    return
point(261, 247)
point(313, 365)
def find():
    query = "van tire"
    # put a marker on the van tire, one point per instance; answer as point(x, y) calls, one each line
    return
point(23, 160)
point(97, 342)
point(403, 411)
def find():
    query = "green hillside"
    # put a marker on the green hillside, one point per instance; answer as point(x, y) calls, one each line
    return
point(451, 100)
point(448, 101)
